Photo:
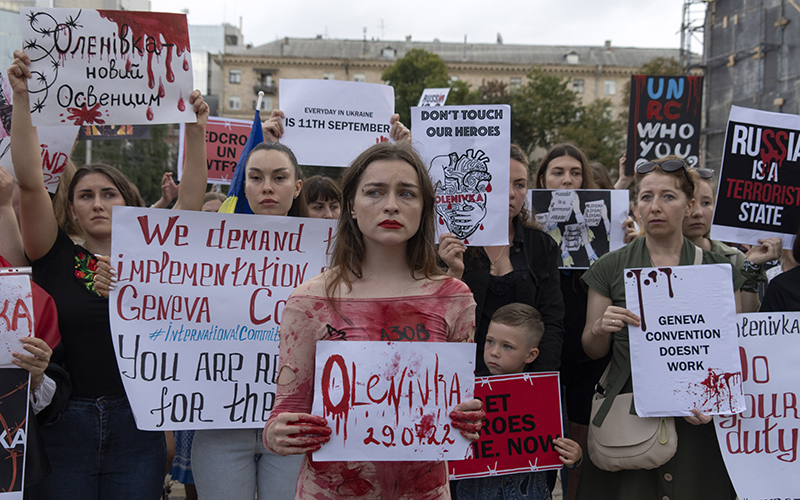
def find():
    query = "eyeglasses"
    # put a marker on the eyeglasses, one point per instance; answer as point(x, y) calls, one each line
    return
point(704, 173)
point(666, 166)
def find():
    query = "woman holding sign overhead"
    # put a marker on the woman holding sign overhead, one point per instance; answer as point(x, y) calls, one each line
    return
point(95, 449)
point(383, 274)
point(664, 197)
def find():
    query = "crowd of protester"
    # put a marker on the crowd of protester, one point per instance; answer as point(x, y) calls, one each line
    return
point(86, 441)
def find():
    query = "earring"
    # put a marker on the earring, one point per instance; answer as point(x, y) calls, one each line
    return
point(295, 197)
point(74, 217)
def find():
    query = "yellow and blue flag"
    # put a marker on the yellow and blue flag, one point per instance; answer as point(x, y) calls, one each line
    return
point(236, 203)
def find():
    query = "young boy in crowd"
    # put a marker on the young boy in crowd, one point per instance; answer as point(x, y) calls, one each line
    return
point(511, 343)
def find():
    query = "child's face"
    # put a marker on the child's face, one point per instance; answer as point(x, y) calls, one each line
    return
point(506, 350)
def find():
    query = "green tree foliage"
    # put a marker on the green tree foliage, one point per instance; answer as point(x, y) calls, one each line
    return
point(143, 161)
point(597, 132)
point(410, 75)
point(540, 109)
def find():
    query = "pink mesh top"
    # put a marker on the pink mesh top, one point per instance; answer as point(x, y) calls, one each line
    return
point(447, 312)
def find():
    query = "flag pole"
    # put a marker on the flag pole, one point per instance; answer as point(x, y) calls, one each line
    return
point(260, 98)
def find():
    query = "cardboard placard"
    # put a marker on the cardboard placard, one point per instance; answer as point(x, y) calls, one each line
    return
point(225, 140)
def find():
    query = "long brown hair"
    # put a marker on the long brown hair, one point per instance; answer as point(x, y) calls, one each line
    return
point(566, 149)
point(349, 251)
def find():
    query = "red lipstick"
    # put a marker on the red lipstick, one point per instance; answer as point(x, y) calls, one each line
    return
point(390, 224)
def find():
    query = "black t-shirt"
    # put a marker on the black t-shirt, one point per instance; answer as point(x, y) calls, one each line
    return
point(65, 272)
point(783, 292)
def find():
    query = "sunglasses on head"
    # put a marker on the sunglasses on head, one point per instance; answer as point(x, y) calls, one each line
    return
point(666, 166)
point(704, 173)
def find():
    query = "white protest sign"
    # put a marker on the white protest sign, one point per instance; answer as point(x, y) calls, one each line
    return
point(329, 123)
point(586, 223)
point(759, 446)
point(107, 67)
point(467, 150)
point(396, 405)
point(16, 315)
point(684, 355)
point(434, 97)
point(56, 142)
point(195, 314)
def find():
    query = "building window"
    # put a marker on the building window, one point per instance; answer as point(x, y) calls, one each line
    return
point(234, 103)
point(328, 75)
point(267, 80)
point(266, 103)
point(610, 87)
point(235, 76)
point(573, 58)
point(453, 78)
point(578, 86)
point(514, 83)
point(360, 77)
point(388, 53)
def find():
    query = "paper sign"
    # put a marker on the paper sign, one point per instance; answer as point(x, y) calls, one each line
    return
point(759, 185)
point(523, 417)
point(434, 97)
point(16, 315)
point(760, 445)
point(107, 67)
point(586, 223)
point(467, 149)
point(56, 142)
point(422, 381)
point(329, 123)
point(225, 139)
point(196, 311)
point(14, 383)
point(684, 355)
point(664, 119)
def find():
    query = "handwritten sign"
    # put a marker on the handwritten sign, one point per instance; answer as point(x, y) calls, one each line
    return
point(107, 67)
point(225, 139)
point(195, 314)
point(467, 152)
point(329, 123)
point(523, 417)
point(759, 446)
point(684, 355)
point(759, 184)
point(434, 97)
point(664, 119)
point(56, 142)
point(14, 383)
point(16, 315)
point(586, 223)
point(390, 401)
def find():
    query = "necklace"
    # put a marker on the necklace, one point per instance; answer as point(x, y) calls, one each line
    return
point(492, 269)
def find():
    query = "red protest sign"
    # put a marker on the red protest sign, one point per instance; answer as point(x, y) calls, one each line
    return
point(523, 417)
point(225, 139)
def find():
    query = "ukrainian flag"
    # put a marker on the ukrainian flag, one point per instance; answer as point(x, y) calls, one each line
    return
point(236, 203)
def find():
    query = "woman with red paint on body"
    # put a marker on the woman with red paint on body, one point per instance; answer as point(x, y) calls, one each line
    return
point(664, 197)
point(95, 449)
point(383, 273)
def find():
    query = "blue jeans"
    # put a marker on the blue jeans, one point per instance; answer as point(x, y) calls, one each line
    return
point(96, 452)
point(521, 486)
point(233, 463)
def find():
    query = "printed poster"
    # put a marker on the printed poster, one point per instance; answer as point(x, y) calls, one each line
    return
point(586, 223)
point(197, 307)
point(113, 132)
point(523, 417)
point(467, 150)
point(421, 383)
point(664, 119)
point(225, 140)
point(56, 142)
point(684, 355)
point(759, 183)
point(16, 321)
point(434, 97)
point(329, 123)
point(759, 445)
point(107, 67)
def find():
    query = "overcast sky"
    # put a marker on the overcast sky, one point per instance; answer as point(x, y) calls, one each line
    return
point(627, 23)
